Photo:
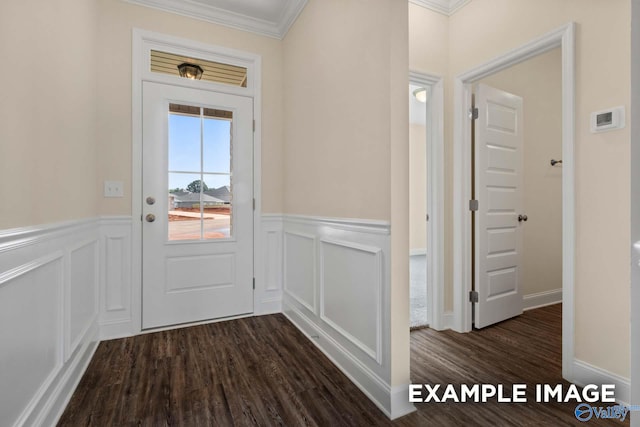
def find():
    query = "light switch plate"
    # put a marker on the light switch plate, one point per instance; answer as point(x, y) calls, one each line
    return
point(113, 189)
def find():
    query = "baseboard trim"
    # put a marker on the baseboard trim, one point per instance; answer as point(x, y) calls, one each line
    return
point(542, 299)
point(115, 329)
point(584, 373)
point(447, 320)
point(400, 405)
point(269, 306)
point(57, 401)
point(374, 387)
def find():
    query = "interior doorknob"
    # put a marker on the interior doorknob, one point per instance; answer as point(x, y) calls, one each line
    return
point(150, 217)
point(522, 218)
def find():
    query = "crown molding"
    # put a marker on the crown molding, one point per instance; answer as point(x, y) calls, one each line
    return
point(446, 7)
point(227, 18)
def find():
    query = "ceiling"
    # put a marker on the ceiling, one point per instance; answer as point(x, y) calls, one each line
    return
point(271, 18)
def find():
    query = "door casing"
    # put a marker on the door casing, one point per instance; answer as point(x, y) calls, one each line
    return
point(143, 42)
point(563, 37)
point(435, 198)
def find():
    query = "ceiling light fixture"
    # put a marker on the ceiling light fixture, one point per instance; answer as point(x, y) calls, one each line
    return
point(190, 71)
point(421, 94)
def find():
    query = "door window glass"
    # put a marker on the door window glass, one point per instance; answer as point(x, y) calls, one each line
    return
point(200, 173)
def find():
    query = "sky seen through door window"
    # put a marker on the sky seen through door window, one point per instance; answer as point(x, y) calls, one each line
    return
point(184, 150)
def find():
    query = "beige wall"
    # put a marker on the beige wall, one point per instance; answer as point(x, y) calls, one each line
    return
point(116, 21)
point(47, 112)
point(428, 41)
point(484, 29)
point(539, 82)
point(417, 187)
point(346, 135)
point(337, 128)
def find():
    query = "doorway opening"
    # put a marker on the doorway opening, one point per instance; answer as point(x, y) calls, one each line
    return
point(516, 186)
point(563, 38)
point(418, 215)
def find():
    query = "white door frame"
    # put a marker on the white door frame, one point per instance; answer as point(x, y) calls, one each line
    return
point(635, 210)
point(143, 42)
point(563, 37)
point(435, 196)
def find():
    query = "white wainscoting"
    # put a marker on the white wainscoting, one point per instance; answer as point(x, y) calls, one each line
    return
point(336, 291)
point(48, 317)
point(268, 267)
point(115, 277)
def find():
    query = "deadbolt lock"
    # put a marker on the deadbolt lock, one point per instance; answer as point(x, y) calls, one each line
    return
point(150, 200)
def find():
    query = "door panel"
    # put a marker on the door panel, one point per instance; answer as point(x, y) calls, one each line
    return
point(498, 188)
point(197, 205)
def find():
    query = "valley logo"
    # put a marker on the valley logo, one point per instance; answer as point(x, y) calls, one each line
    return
point(584, 412)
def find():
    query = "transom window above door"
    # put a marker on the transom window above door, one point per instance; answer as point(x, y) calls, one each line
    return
point(211, 71)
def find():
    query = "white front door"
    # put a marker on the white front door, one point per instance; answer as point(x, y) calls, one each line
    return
point(499, 219)
point(197, 231)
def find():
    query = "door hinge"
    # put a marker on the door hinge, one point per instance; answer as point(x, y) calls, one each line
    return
point(473, 296)
point(473, 205)
point(254, 204)
point(474, 113)
point(427, 217)
point(254, 125)
point(254, 283)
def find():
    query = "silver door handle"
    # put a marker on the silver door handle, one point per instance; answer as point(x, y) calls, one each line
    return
point(150, 217)
point(522, 218)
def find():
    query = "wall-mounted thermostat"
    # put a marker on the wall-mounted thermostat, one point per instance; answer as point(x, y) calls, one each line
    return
point(610, 119)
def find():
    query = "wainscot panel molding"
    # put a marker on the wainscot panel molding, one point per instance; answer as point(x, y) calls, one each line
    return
point(269, 266)
point(49, 277)
point(337, 291)
point(115, 277)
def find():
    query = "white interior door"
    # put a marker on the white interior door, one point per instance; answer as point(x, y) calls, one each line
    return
point(197, 205)
point(499, 219)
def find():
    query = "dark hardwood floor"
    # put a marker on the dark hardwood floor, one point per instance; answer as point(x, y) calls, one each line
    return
point(262, 371)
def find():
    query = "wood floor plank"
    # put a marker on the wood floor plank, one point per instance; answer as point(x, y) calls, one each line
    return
point(262, 371)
